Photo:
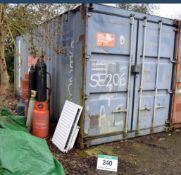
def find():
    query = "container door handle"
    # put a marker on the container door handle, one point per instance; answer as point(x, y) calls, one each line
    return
point(145, 108)
point(119, 110)
point(159, 106)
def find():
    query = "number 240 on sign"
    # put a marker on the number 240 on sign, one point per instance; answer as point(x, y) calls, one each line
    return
point(108, 163)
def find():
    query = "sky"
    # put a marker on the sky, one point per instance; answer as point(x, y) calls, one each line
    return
point(165, 10)
point(168, 10)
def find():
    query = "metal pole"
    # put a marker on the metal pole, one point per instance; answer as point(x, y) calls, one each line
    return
point(129, 74)
point(156, 80)
point(142, 73)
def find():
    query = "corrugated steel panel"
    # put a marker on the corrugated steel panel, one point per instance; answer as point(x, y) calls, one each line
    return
point(117, 64)
point(61, 43)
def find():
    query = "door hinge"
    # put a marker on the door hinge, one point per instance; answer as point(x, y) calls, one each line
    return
point(85, 97)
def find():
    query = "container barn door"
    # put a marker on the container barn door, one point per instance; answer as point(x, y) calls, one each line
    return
point(155, 60)
point(109, 85)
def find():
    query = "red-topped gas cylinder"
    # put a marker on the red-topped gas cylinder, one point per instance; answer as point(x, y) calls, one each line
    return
point(40, 120)
point(25, 86)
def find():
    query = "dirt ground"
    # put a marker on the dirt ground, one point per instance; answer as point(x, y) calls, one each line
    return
point(158, 154)
point(9, 100)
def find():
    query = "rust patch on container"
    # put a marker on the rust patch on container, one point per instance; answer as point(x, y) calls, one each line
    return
point(82, 37)
point(81, 143)
point(83, 11)
point(178, 107)
point(94, 121)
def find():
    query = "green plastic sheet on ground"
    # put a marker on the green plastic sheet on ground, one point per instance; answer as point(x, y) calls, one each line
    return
point(9, 121)
point(21, 153)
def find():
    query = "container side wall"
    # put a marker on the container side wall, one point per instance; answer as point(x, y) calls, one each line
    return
point(69, 66)
point(60, 41)
point(45, 39)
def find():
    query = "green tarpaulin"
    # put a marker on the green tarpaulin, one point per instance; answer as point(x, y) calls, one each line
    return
point(12, 122)
point(21, 153)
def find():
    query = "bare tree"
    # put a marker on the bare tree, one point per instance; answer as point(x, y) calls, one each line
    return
point(3, 68)
point(140, 7)
point(19, 19)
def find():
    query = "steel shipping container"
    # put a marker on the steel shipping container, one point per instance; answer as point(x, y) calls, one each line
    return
point(176, 115)
point(117, 64)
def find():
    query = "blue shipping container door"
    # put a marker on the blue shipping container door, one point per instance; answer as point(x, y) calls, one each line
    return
point(129, 69)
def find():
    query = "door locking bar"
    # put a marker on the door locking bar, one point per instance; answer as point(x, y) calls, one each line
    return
point(129, 74)
point(157, 73)
point(142, 72)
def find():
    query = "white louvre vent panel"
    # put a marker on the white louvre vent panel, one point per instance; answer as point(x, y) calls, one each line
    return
point(74, 136)
point(66, 131)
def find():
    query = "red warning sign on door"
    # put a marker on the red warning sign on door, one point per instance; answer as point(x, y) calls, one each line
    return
point(105, 39)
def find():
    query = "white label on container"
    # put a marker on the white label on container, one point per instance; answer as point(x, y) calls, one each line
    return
point(122, 40)
point(107, 163)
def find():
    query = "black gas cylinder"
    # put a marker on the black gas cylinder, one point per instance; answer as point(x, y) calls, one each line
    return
point(32, 80)
point(41, 79)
